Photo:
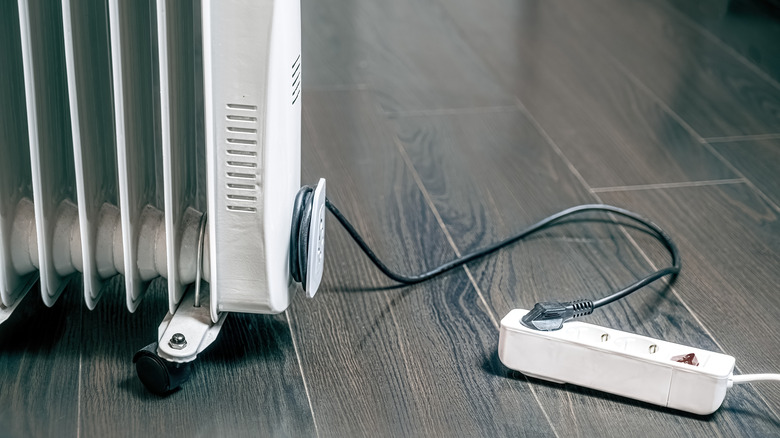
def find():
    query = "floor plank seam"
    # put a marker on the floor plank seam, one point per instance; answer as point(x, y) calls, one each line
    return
point(633, 242)
point(644, 88)
point(81, 356)
point(493, 318)
point(734, 169)
point(472, 280)
point(303, 376)
point(654, 97)
point(714, 182)
point(644, 255)
point(442, 225)
point(720, 43)
point(738, 138)
point(524, 110)
point(399, 339)
point(579, 176)
point(666, 105)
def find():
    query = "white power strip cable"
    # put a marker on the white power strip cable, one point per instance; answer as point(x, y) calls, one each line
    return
point(749, 378)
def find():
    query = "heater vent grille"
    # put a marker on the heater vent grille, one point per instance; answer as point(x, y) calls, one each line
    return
point(296, 79)
point(241, 158)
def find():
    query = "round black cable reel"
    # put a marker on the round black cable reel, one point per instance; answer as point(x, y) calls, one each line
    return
point(158, 375)
point(299, 234)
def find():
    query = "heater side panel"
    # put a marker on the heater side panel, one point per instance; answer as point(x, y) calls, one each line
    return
point(243, 194)
point(282, 146)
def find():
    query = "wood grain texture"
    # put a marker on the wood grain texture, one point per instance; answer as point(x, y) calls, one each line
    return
point(613, 132)
point(730, 238)
point(490, 175)
point(759, 161)
point(698, 78)
point(332, 48)
point(749, 27)
point(411, 112)
point(246, 384)
point(416, 361)
point(39, 366)
point(406, 51)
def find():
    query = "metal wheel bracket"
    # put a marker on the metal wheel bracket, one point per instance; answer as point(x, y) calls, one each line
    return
point(185, 333)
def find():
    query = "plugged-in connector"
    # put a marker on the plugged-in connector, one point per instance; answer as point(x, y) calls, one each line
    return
point(548, 316)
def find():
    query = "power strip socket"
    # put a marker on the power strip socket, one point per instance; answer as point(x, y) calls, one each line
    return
point(617, 362)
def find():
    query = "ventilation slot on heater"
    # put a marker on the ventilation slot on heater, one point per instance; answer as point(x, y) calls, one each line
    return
point(241, 158)
point(296, 79)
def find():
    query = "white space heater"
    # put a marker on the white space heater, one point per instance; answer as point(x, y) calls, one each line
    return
point(156, 138)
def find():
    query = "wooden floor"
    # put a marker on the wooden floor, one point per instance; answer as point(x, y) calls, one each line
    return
point(442, 126)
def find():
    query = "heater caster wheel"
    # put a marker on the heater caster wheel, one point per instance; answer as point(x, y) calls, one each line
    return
point(157, 374)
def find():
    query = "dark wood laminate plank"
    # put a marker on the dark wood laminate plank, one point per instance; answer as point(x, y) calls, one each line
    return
point(759, 161)
point(490, 175)
point(613, 132)
point(415, 361)
point(405, 50)
point(706, 85)
point(333, 52)
point(248, 383)
point(729, 238)
point(750, 27)
point(39, 366)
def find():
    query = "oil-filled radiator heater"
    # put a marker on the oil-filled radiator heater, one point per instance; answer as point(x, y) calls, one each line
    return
point(156, 138)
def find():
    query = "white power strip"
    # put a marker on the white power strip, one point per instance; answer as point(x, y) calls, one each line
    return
point(618, 362)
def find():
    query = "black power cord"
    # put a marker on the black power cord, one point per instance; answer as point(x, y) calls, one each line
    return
point(546, 315)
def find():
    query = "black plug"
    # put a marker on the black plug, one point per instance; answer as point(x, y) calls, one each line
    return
point(549, 316)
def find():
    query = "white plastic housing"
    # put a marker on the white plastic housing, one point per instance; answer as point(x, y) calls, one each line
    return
point(617, 362)
point(252, 76)
point(316, 259)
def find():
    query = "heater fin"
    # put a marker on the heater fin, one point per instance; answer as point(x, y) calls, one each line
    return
point(48, 128)
point(134, 68)
point(15, 176)
point(88, 62)
point(181, 115)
